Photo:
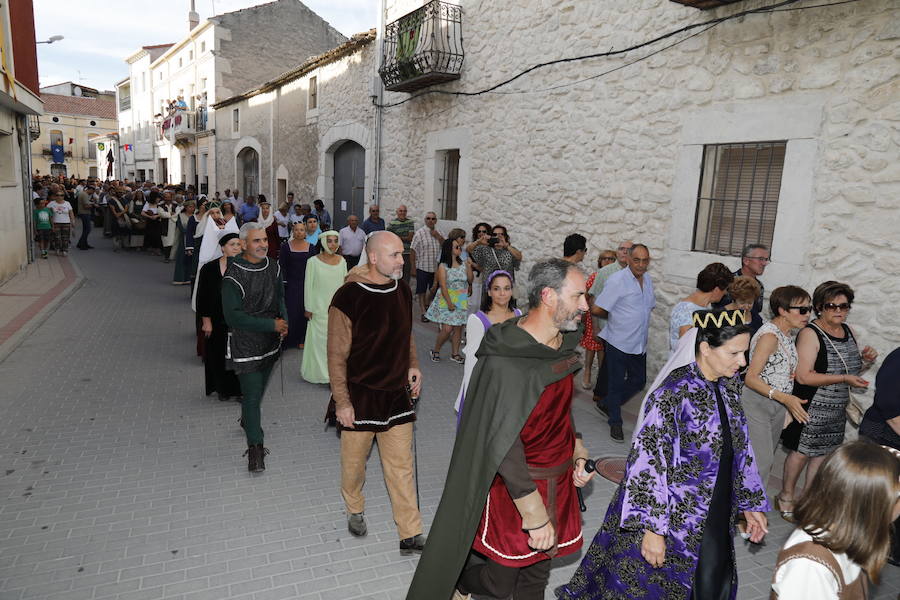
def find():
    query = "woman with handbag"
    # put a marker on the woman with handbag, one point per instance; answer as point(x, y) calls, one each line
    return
point(769, 381)
point(829, 365)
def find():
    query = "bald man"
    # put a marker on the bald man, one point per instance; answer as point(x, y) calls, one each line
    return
point(371, 361)
point(352, 240)
point(404, 228)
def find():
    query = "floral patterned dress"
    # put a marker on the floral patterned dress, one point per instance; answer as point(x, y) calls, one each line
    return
point(457, 286)
point(670, 487)
point(590, 341)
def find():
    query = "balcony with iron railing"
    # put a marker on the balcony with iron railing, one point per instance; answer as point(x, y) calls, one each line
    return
point(46, 150)
point(180, 125)
point(423, 48)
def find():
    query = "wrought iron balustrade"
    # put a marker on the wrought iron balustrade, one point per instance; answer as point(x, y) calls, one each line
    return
point(423, 48)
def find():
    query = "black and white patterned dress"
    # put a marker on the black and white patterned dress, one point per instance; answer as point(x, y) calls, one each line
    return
point(827, 404)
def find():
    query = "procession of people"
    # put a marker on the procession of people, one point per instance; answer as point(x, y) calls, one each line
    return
point(746, 374)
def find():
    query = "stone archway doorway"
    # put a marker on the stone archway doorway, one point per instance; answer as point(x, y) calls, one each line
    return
point(349, 182)
point(248, 172)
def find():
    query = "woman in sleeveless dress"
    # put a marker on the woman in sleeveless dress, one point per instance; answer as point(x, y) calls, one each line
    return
point(829, 364)
point(841, 543)
point(450, 304)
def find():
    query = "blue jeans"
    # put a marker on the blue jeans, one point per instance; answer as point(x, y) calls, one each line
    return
point(627, 376)
point(85, 230)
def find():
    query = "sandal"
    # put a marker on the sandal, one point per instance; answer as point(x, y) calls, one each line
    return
point(457, 358)
point(435, 356)
point(786, 514)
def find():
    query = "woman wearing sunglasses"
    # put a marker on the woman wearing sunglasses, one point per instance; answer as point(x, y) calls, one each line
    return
point(829, 364)
point(769, 382)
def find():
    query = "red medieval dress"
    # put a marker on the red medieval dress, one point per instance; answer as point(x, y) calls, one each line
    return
point(549, 440)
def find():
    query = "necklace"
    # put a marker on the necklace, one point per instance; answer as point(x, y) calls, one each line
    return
point(554, 341)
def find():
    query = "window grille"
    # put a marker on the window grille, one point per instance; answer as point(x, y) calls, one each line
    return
point(738, 197)
point(449, 185)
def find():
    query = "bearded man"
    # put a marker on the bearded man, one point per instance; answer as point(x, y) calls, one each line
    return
point(510, 502)
point(374, 374)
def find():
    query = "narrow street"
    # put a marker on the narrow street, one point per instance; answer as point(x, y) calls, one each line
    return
point(121, 480)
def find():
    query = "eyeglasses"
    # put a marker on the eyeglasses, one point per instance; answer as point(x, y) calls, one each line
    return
point(431, 218)
point(623, 248)
point(764, 259)
point(482, 231)
point(801, 309)
point(833, 306)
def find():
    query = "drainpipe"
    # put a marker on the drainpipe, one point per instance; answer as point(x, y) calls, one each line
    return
point(377, 93)
point(24, 139)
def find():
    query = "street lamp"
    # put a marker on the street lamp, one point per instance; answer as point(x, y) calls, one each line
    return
point(53, 38)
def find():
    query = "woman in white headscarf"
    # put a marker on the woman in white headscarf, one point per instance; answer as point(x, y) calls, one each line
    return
point(325, 273)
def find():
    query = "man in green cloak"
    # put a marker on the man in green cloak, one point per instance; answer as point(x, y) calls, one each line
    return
point(510, 501)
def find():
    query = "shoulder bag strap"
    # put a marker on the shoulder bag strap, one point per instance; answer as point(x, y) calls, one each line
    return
point(833, 347)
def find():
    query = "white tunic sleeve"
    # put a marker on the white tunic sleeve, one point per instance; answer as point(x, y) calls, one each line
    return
point(804, 579)
point(474, 335)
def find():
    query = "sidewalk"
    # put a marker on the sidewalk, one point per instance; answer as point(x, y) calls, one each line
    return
point(33, 294)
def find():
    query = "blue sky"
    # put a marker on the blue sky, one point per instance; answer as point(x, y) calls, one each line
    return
point(99, 34)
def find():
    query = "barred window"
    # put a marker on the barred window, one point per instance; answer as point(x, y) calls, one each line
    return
point(449, 185)
point(738, 197)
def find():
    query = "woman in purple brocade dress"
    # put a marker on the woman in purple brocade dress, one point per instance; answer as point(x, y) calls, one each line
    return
point(668, 532)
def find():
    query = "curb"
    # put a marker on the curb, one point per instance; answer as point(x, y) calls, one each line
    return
point(33, 322)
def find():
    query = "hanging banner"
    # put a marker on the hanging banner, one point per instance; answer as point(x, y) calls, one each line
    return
point(59, 155)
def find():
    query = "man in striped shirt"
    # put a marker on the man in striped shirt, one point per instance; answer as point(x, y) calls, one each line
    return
point(425, 252)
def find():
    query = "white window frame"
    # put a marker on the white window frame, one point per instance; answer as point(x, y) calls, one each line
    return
point(312, 114)
point(798, 121)
point(436, 145)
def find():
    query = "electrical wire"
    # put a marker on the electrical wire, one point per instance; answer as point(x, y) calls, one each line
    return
point(785, 5)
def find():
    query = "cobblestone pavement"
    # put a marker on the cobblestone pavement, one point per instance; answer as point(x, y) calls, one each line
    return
point(123, 481)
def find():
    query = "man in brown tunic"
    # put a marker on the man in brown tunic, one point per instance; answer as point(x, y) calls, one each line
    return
point(371, 361)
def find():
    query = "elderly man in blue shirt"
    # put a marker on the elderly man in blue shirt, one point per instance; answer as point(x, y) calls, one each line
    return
point(626, 301)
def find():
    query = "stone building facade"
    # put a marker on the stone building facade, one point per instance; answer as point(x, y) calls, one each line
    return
point(295, 130)
point(642, 145)
point(220, 57)
point(76, 123)
point(20, 106)
point(615, 147)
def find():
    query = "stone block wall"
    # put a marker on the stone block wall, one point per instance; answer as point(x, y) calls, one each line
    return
point(301, 139)
point(268, 40)
point(567, 148)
